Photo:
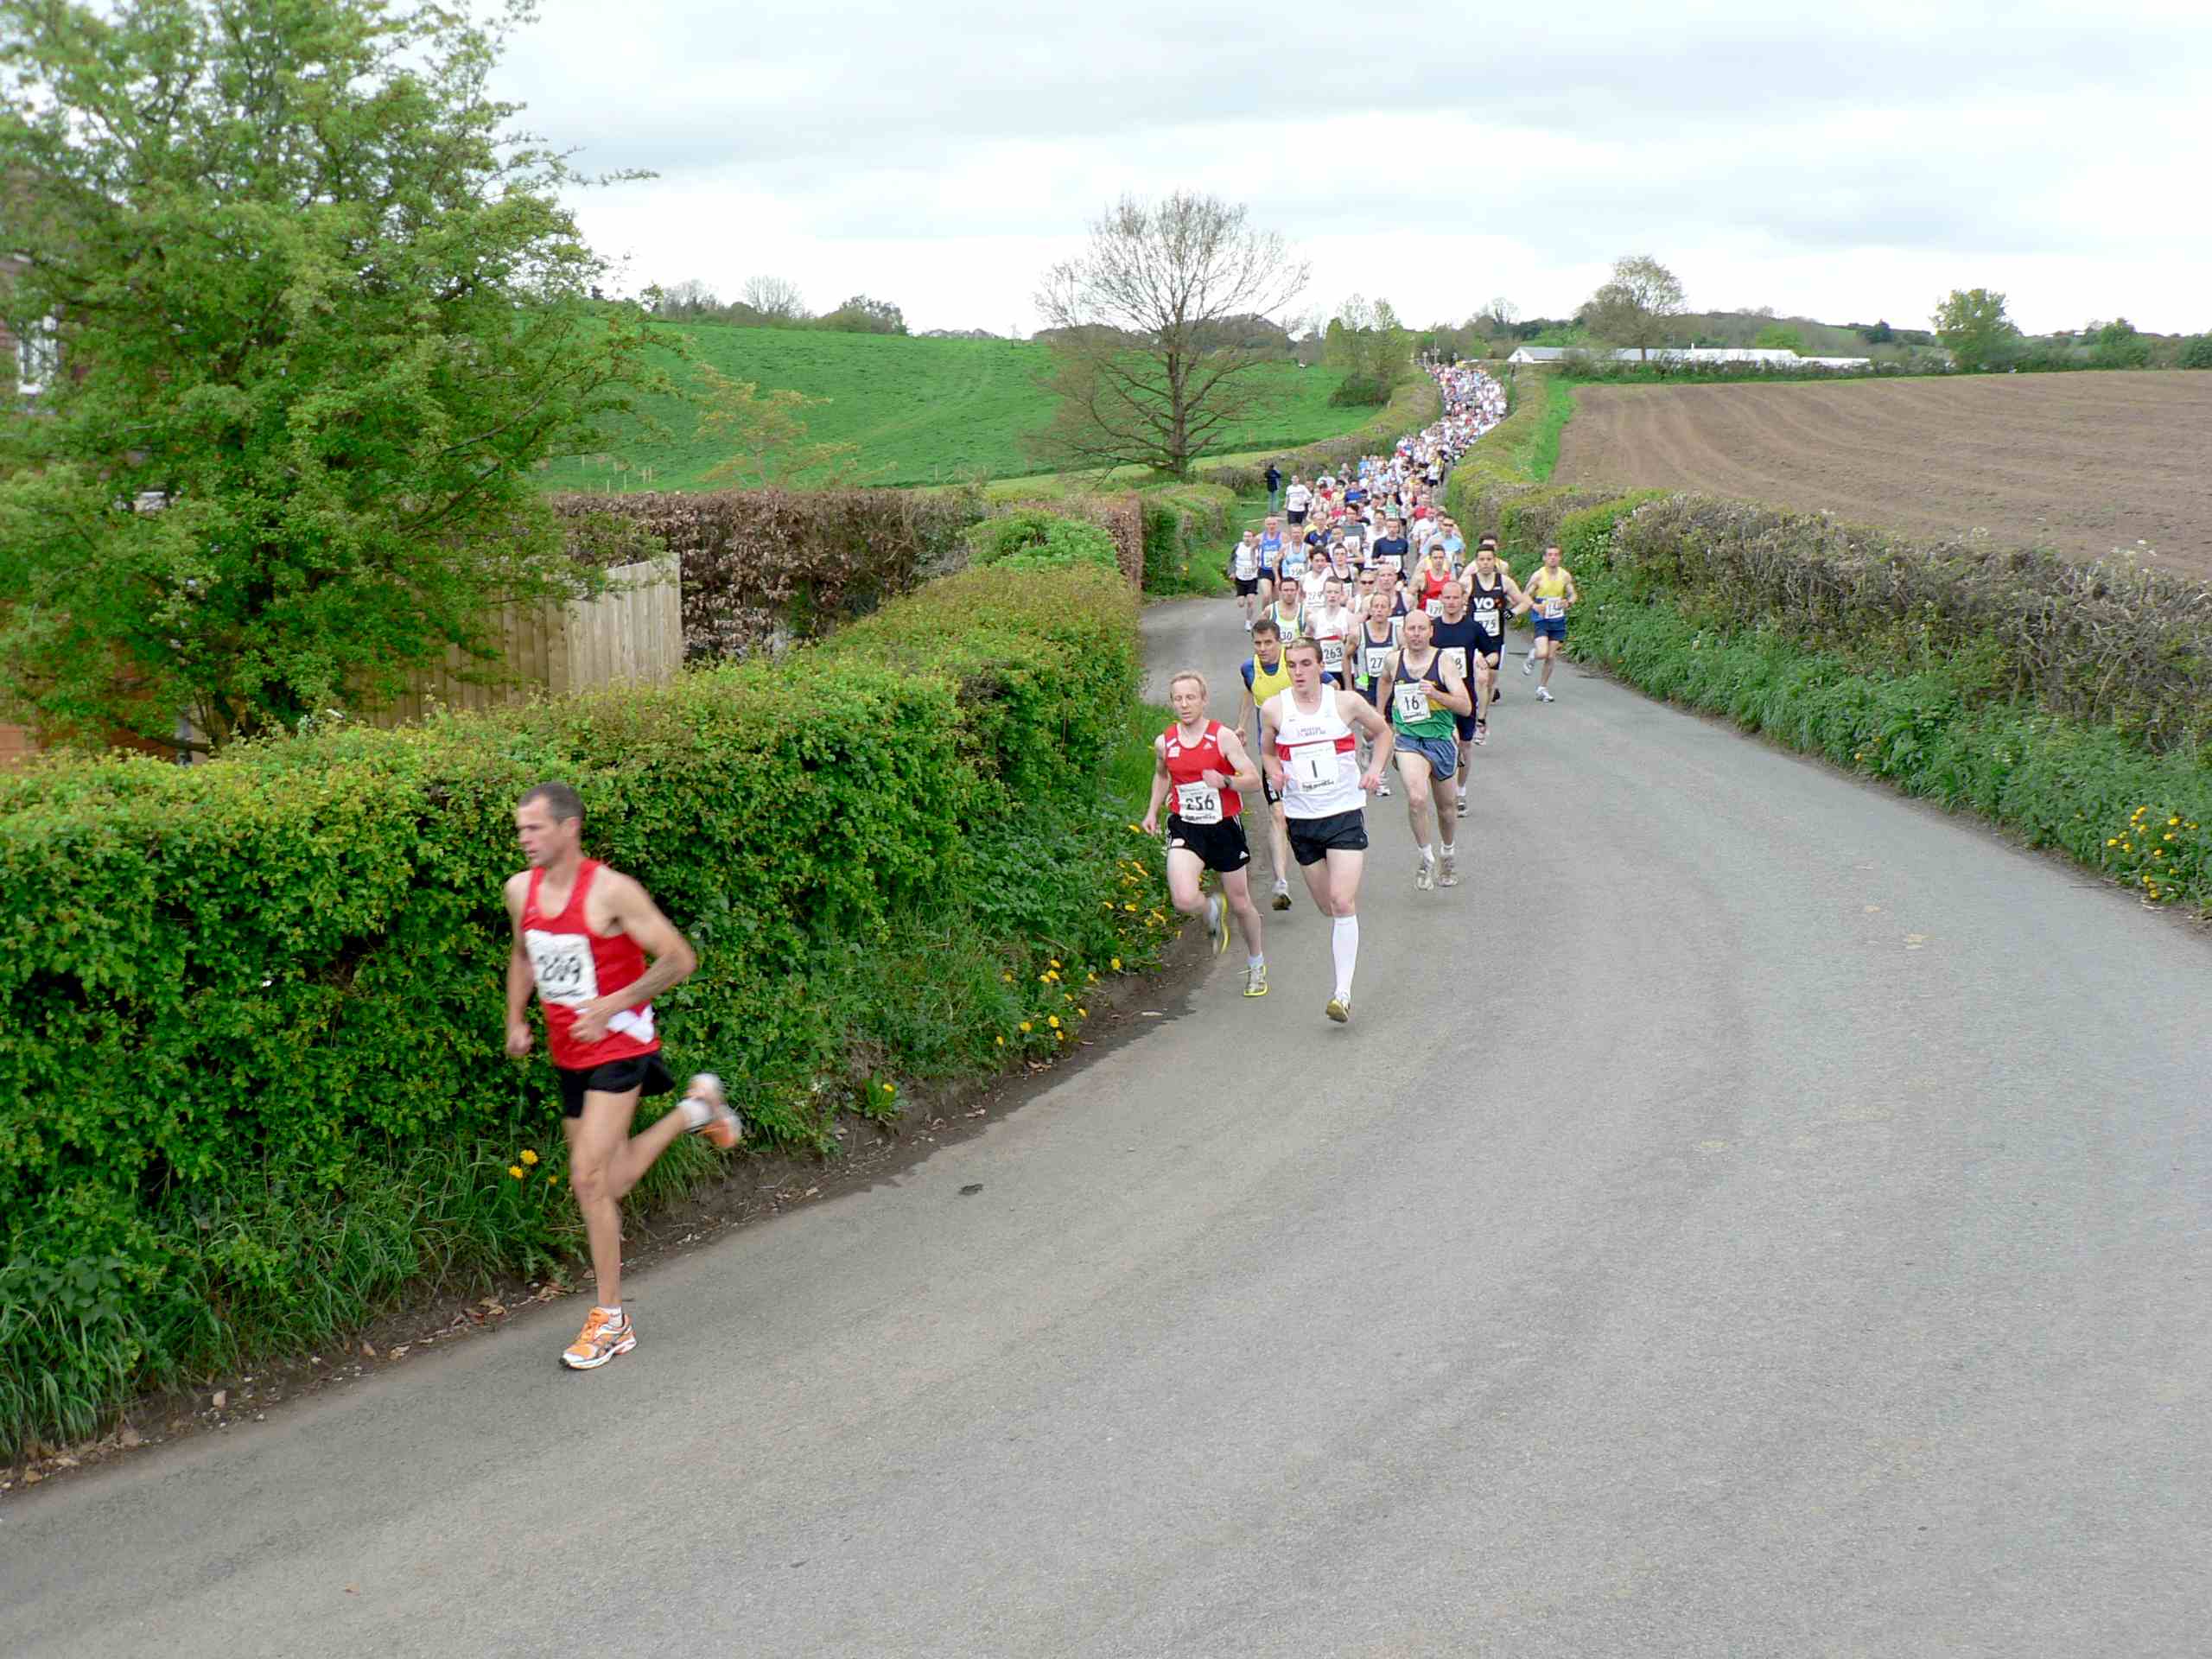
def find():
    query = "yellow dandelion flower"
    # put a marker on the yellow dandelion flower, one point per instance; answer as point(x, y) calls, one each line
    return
point(1083, 1014)
point(1115, 963)
point(528, 1156)
point(1132, 909)
point(1053, 962)
point(1027, 1027)
point(2175, 819)
point(1053, 1021)
point(515, 1169)
point(1000, 1041)
point(2112, 841)
point(1006, 979)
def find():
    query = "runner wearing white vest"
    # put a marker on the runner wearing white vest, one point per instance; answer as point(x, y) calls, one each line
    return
point(1310, 751)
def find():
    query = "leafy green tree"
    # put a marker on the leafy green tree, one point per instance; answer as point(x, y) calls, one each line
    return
point(2197, 352)
point(2118, 345)
point(1881, 334)
point(1972, 326)
point(1371, 348)
point(863, 315)
point(322, 316)
point(767, 438)
point(1638, 307)
point(1780, 337)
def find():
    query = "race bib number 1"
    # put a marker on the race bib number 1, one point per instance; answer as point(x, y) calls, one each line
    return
point(1314, 766)
point(1198, 804)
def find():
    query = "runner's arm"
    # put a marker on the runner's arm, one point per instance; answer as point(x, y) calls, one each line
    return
point(1244, 776)
point(1573, 593)
point(671, 960)
point(1269, 760)
point(1456, 696)
point(1160, 782)
point(522, 978)
point(1363, 717)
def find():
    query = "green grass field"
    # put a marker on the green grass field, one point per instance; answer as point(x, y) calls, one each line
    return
point(921, 411)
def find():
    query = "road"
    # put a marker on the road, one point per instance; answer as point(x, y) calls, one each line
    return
point(1753, 1215)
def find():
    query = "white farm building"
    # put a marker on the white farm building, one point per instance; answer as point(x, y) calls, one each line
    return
point(1766, 357)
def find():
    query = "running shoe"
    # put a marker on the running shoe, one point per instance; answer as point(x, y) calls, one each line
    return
point(1482, 736)
point(605, 1335)
point(1544, 694)
point(1283, 895)
point(1339, 1009)
point(1424, 872)
point(1217, 922)
point(1528, 663)
point(1450, 878)
point(707, 1109)
point(1384, 791)
point(1255, 980)
point(1462, 800)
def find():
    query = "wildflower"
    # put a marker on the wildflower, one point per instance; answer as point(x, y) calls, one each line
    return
point(1054, 962)
point(1000, 1041)
point(2175, 819)
point(1026, 1026)
point(2112, 841)
point(1007, 979)
point(1053, 1021)
point(1115, 963)
point(1083, 1014)
point(528, 1156)
point(515, 1169)
point(1132, 909)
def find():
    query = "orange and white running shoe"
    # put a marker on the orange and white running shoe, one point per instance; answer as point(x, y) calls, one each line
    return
point(708, 1112)
point(605, 1335)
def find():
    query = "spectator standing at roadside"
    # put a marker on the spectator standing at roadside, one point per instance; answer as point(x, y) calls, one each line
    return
point(1275, 487)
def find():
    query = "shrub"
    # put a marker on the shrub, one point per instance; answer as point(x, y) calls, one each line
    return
point(1357, 389)
point(1187, 530)
point(1030, 538)
point(249, 1084)
point(2197, 352)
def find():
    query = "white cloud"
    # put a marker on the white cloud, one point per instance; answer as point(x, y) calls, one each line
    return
point(1847, 163)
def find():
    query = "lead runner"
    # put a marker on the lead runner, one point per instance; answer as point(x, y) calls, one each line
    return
point(582, 935)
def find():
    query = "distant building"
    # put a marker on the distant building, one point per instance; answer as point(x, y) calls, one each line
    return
point(1768, 357)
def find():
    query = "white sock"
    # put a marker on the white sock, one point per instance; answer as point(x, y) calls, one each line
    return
point(1255, 962)
point(613, 1314)
point(1343, 946)
point(696, 1111)
point(1429, 852)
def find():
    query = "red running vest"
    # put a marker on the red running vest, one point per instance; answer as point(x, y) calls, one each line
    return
point(573, 966)
point(1188, 763)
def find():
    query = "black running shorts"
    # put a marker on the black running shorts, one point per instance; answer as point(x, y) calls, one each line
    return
point(1312, 840)
point(646, 1073)
point(1220, 847)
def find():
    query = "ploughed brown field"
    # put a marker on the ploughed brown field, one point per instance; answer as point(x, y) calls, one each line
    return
point(2083, 463)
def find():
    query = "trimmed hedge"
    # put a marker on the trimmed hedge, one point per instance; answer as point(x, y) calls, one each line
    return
point(1982, 678)
point(251, 1082)
point(1187, 531)
point(1030, 539)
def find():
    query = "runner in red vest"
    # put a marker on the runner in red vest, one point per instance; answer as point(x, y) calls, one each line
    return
point(1205, 767)
point(582, 936)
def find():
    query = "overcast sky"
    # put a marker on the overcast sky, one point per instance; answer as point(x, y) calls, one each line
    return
point(1843, 162)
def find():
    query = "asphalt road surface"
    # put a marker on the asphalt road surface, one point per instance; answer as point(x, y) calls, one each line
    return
point(1752, 1215)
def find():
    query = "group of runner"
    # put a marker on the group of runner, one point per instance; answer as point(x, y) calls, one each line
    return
point(1375, 637)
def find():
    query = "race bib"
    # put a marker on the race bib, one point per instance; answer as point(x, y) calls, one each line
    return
point(1486, 617)
point(561, 963)
point(1247, 564)
point(1409, 701)
point(1198, 804)
point(1333, 655)
point(1391, 562)
point(1553, 609)
point(1433, 606)
point(1456, 656)
point(1314, 766)
point(1378, 659)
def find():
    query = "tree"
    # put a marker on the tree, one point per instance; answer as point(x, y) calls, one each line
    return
point(1367, 344)
point(1638, 307)
point(323, 314)
point(767, 437)
point(861, 315)
point(1500, 315)
point(2118, 345)
point(779, 303)
point(689, 298)
point(1881, 334)
point(1780, 337)
point(2197, 352)
point(1972, 325)
point(1142, 372)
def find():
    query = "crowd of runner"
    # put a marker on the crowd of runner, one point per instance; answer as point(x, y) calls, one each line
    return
point(1377, 638)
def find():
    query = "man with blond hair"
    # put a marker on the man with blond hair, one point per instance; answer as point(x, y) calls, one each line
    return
point(1203, 766)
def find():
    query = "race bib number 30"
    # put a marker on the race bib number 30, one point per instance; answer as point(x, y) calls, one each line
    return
point(1198, 804)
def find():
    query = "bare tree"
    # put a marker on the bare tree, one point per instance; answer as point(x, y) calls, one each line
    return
point(1502, 313)
point(1638, 307)
point(775, 299)
point(1146, 372)
point(688, 298)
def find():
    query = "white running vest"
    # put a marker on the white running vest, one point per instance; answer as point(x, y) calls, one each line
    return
point(1320, 758)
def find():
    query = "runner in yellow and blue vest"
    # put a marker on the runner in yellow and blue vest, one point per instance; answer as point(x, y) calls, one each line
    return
point(1264, 673)
point(1551, 591)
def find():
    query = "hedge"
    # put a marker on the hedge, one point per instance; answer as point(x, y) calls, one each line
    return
point(1985, 679)
point(250, 1083)
point(1187, 531)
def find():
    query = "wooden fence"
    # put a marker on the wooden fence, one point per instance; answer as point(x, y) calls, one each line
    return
point(632, 633)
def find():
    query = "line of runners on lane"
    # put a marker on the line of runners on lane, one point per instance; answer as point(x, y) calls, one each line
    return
point(1374, 638)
